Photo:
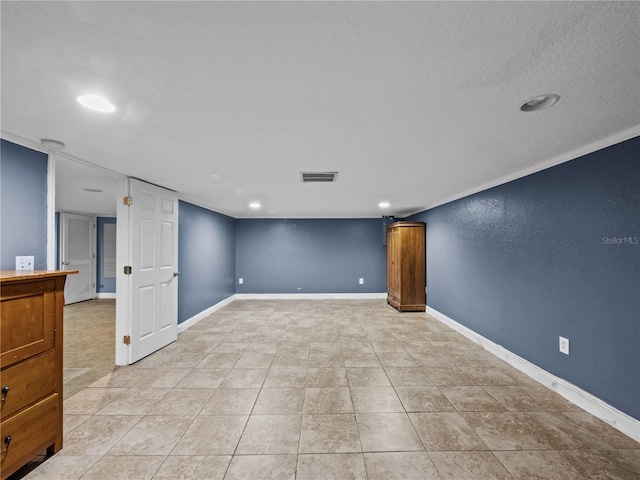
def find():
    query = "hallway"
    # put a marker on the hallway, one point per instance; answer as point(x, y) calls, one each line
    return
point(89, 348)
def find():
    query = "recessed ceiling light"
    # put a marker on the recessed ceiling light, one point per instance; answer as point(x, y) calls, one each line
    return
point(384, 204)
point(93, 190)
point(539, 103)
point(254, 205)
point(97, 103)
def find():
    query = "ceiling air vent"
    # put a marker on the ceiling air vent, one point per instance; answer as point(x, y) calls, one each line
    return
point(318, 177)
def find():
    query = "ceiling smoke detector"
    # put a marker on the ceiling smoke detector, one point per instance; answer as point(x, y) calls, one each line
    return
point(318, 177)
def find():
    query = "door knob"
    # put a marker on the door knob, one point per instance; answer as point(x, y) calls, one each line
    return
point(5, 391)
point(176, 274)
point(7, 441)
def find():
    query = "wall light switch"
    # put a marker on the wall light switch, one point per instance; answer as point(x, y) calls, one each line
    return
point(361, 281)
point(564, 345)
point(24, 263)
point(241, 281)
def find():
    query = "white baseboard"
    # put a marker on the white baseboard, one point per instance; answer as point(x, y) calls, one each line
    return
point(190, 322)
point(310, 296)
point(106, 295)
point(595, 406)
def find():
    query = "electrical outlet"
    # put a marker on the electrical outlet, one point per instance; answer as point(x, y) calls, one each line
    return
point(564, 345)
point(361, 281)
point(241, 280)
point(24, 263)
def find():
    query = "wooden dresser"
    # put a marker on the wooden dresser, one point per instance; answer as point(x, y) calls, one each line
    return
point(406, 266)
point(30, 365)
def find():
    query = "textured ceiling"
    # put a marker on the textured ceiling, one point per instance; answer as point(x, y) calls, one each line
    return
point(414, 103)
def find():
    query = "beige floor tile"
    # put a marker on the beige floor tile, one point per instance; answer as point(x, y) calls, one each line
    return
point(279, 401)
point(270, 435)
point(121, 377)
point(244, 378)
point(135, 402)
point(124, 468)
point(162, 378)
point(400, 466)
point(375, 400)
point(448, 375)
point(396, 359)
point(367, 377)
point(407, 376)
point(469, 465)
point(212, 435)
point(326, 377)
point(183, 401)
point(345, 466)
point(262, 467)
point(152, 435)
point(471, 399)
point(332, 433)
point(387, 346)
point(327, 400)
point(231, 401)
point(98, 434)
point(506, 430)
point(423, 399)
point(63, 467)
point(255, 360)
point(325, 360)
point(219, 360)
point(605, 464)
point(358, 359)
point(203, 378)
point(488, 376)
point(387, 432)
point(71, 421)
point(212, 467)
point(286, 378)
point(309, 343)
point(446, 431)
point(91, 400)
point(543, 465)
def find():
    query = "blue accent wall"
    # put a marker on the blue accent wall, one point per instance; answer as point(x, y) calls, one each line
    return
point(206, 259)
point(556, 253)
point(23, 205)
point(310, 256)
point(105, 285)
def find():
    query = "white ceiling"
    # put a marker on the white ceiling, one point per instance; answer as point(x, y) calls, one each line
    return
point(413, 103)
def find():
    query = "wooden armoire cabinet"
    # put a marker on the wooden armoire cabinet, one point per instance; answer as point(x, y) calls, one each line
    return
point(31, 312)
point(406, 266)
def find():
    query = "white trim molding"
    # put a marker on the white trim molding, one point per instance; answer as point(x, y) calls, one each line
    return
point(106, 295)
point(190, 322)
point(595, 406)
point(310, 296)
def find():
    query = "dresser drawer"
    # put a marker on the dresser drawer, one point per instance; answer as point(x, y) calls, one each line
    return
point(31, 432)
point(27, 382)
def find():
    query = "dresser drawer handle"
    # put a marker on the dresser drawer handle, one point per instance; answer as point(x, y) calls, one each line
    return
point(5, 390)
point(7, 441)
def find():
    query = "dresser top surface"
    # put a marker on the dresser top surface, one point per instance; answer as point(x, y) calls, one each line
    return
point(15, 275)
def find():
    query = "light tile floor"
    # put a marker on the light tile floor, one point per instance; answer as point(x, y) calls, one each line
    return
point(329, 390)
point(89, 348)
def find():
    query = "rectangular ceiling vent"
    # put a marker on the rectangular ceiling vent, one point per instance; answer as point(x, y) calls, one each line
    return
point(318, 177)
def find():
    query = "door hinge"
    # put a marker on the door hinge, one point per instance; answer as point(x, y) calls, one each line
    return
point(127, 340)
point(127, 201)
point(127, 270)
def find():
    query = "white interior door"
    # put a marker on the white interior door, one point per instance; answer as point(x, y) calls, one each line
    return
point(154, 268)
point(78, 252)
